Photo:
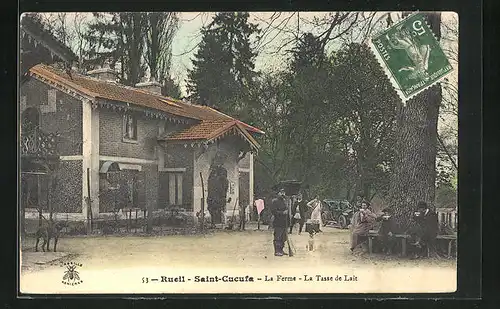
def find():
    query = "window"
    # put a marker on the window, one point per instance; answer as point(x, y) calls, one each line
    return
point(175, 189)
point(129, 128)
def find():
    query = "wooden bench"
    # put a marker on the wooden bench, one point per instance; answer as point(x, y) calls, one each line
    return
point(373, 234)
point(452, 239)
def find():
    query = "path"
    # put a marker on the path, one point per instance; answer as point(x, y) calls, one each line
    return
point(118, 264)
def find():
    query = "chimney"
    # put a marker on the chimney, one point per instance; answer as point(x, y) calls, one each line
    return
point(150, 86)
point(106, 74)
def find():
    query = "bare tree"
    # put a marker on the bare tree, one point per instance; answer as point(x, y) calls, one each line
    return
point(282, 31)
point(448, 131)
point(161, 28)
point(80, 44)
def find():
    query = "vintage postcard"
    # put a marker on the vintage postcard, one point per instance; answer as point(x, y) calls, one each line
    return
point(238, 152)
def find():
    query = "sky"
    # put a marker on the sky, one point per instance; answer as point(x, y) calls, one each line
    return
point(188, 36)
point(190, 23)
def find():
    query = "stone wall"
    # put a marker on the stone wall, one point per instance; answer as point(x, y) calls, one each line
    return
point(66, 190)
point(59, 112)
point(111, 142)
point(68, 187)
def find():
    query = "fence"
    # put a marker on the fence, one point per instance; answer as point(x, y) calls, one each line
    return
point(448, 217)
point(127, 220)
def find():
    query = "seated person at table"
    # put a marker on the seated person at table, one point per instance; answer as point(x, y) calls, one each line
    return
point(426, 229)
point(362, 222)
point(387, 231)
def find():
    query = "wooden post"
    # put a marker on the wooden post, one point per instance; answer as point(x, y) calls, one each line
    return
point(370, 244)
point(233, 215)
point(136, 210)
point(39, 200)
point(25, 195)
point(49, 198)
point(202, 204)
point(23, 219)
point(129, 220)
point(89, 204)
point(403, 240)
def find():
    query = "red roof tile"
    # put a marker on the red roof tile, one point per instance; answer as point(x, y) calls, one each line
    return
point(212, 122)
point(208, 130)
point(200, 131)
point(115, 92)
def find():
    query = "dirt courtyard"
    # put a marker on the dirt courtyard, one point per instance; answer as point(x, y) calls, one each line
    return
point(121, 265)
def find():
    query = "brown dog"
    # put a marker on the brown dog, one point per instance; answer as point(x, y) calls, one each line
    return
point(52, 230)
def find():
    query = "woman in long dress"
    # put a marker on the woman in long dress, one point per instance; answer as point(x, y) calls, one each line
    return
point(315, 204)
point(362, 222)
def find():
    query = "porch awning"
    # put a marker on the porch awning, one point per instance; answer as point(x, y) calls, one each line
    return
point(209, 132)
point(109, 166)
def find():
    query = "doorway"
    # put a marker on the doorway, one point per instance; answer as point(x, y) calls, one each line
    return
point(217, 192)
point(244, 190)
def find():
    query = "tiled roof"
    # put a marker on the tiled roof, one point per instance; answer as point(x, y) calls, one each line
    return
point(211, 123)
point(209, 130)
point(116, 92)
point(203, 130)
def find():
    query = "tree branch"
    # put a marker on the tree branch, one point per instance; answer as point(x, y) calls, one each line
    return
point(447, 152)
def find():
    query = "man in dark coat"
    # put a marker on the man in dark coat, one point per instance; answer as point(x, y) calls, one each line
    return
point(301, 208)
point(387, 231)
point(242, 216)
point(280, 222)
point(427, 227)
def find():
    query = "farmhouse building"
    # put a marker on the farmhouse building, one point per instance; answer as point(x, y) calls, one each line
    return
point(127, 147)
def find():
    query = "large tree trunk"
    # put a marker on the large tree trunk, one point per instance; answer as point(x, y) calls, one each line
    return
point(414, 172)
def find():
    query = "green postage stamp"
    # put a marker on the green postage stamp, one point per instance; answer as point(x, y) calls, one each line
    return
point(411, 56)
